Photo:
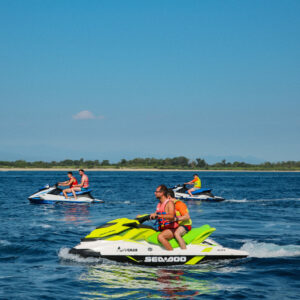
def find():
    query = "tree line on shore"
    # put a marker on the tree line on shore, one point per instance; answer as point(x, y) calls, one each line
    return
point(179, 162)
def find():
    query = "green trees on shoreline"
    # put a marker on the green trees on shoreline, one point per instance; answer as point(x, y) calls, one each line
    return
point(179, 162)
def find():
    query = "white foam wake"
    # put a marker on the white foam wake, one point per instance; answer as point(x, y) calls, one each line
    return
point(4, 243)
point(261, 200)
point(65, 255)
point(256, 249)
point(237, 200)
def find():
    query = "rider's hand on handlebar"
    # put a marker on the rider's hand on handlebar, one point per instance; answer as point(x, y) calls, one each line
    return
point(153, 216)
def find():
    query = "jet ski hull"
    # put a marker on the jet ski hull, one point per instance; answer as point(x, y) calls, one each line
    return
point(144, 253)
point(72, 200)
point(198, 198)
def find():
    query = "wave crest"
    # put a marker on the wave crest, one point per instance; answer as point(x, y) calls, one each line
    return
point(65, 255)
point(265, 250)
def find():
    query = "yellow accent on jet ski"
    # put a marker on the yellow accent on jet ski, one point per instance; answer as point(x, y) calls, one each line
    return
point(135, 234)
point(194, 260)
point(133, 258)
point(207, 250)
point(138, 234)
point(116, 227)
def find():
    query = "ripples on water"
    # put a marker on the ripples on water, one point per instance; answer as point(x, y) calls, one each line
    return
point(260, 216)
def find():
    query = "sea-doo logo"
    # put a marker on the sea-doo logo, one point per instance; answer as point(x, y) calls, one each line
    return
point(167, 259)
point(127, 249)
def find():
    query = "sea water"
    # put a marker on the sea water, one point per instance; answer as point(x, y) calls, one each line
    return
point(260, 215)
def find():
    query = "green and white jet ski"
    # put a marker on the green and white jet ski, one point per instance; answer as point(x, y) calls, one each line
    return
point(128, 240)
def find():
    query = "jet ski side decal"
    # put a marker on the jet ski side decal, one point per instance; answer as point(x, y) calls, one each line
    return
point(165, 259)
point(194, 260)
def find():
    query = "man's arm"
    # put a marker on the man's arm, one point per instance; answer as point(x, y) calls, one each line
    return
point(170, 211)
point(184, 214)
point(191, 182)
point(184, 217)
point(79, 185)
point(65, 183)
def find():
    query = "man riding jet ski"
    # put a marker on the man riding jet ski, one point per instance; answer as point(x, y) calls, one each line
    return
point(76, 193)
point(181, 192)
point(128, 240)
point(52, 194)
point(196, 192)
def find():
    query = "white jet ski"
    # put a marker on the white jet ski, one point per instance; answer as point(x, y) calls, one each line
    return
point(199, 194)
point(53, 194)
point(127, 240)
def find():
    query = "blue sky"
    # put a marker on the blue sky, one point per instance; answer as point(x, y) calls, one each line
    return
point(123, 79)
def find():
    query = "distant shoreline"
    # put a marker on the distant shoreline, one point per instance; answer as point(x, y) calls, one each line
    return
point(140, 170)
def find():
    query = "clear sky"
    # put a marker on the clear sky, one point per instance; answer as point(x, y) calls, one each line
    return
point(123, 79)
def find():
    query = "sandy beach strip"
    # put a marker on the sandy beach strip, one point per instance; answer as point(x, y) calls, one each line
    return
point(135, 170)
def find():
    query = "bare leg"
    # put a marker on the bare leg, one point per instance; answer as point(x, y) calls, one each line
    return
point(73, 191)
point(190, 191)
point(180, 231)
point(65, 191)
point(164, 238)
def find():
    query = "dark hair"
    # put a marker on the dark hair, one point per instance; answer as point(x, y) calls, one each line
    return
point(81, 170)
point(196, 175)
point(171, 193)
point(70, 173)
point(163, 189)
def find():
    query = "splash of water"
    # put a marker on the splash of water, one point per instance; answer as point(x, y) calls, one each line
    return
point(265, 250)
point(65, 255)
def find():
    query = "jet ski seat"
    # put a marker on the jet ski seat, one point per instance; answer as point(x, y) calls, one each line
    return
point(195, 236)
point(78, 192)
point(199, 191)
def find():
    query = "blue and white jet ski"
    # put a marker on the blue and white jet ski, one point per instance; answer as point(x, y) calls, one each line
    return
point(199, 194)
point(53, 194)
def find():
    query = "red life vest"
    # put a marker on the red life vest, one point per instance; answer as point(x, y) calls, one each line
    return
point(75, 182)
point(163, 223)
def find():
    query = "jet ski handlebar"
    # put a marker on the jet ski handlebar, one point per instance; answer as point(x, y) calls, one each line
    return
point(143, 218)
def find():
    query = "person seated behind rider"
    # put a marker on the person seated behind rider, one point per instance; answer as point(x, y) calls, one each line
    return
point(182, 217)
point(71, 182)
point(165, 212)
point(84, 184)
point(197, 184)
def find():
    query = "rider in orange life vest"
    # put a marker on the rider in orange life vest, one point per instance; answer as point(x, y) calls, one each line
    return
point(182, 217)
point(196, 182)
point(165, 212)
point(71, 182)
point(84, 184)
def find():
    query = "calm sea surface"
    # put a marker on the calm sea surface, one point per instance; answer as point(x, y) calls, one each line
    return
point(260, 215)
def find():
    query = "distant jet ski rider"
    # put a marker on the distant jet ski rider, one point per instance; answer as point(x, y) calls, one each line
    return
point(83, 186)
point(197, 184)
point(165, 213)
point(71, 183)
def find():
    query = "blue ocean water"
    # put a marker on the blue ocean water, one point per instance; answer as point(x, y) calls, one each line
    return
point(260, 215)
